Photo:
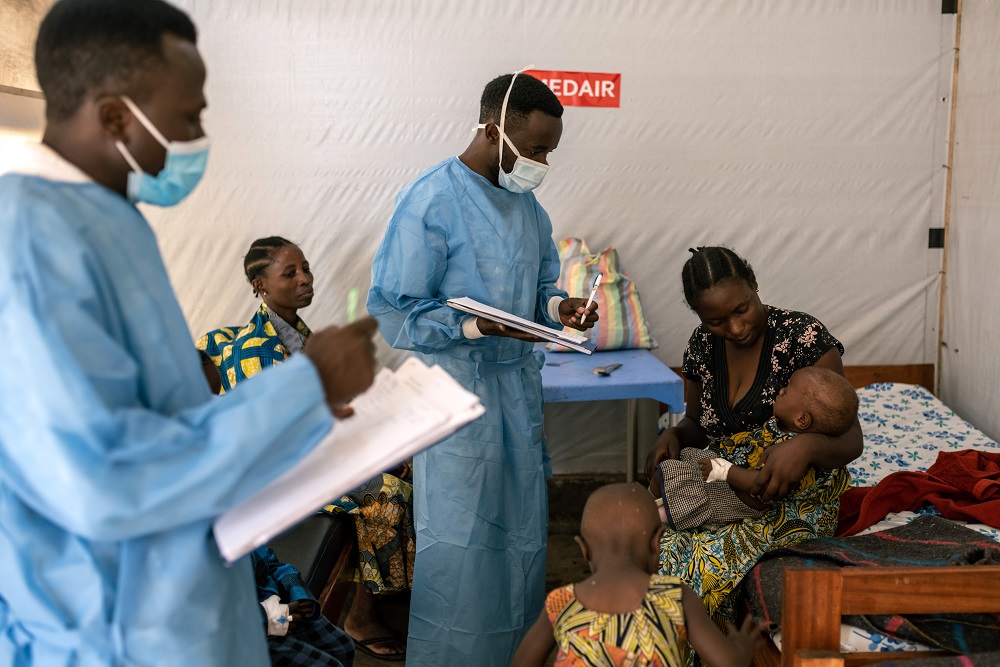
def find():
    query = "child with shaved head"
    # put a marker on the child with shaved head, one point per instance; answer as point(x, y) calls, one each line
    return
point(640, 617)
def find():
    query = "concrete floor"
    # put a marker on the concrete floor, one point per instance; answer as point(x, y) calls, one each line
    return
point(567, 495)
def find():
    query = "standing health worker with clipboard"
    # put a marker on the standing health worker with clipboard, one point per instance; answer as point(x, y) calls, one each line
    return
point(470, 226)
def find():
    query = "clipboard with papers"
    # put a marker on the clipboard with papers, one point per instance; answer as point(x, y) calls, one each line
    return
point(566, 339)
point(402, 413)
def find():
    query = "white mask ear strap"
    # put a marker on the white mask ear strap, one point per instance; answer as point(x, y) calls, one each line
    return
point(503, 115)
point(482, 126)
point(145, 121)
point(128, 157)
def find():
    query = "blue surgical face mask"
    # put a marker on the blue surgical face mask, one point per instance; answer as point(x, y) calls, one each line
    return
point(184, 167)
point(526, 175)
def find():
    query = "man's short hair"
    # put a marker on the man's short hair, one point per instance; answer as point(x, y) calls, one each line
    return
point(529, 94)
point(86, 45)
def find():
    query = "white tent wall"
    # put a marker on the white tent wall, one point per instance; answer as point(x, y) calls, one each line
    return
point(807, 136)
point(970, 363)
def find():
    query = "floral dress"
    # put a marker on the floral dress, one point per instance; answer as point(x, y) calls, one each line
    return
point(713, 562)
point(652, 636)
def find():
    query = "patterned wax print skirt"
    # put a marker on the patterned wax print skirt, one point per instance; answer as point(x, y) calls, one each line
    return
point(383, 519)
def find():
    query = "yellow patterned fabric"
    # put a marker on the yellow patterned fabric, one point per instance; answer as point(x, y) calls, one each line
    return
point(749, 447)
point(651, 636)
point(714, 561)
point(217, 344)
point(386, 541)
point(242, 352)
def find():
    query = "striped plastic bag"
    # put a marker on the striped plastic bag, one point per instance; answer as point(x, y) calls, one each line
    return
point(622, 325)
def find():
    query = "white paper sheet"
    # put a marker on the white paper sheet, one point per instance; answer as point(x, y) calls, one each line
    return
point(402, 413)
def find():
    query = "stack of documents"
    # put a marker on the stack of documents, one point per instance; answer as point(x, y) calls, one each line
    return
point(402, 413)
point(570, 340)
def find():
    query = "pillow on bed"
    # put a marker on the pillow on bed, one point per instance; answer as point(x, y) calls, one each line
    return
point(622, 325)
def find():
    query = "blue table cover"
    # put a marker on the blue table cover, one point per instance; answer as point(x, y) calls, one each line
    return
point(568, 376)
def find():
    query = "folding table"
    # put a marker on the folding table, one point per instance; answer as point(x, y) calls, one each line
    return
point(568, 376)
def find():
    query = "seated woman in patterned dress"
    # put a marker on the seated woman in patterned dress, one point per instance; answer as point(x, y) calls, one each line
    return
point(735, 363)
point(381, 508)
point(625, 613)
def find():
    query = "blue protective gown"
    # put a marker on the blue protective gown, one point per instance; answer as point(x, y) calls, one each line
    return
point(480, 503)
point(114, 457)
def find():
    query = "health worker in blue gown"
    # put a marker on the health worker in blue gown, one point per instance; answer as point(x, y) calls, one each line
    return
point(114, 456)
point(471, 226)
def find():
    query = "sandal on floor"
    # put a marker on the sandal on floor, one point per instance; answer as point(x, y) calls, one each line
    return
point(362, 645)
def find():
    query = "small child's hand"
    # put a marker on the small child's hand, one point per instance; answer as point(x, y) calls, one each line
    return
point(750, 634)
point(298, 610)
point(735, 647)
point(706, 468)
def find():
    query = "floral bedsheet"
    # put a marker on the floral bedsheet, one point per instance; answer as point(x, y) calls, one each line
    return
point(905, 426)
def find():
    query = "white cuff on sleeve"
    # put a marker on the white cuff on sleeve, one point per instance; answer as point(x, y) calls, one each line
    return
point(470, 329)
point(554, 308)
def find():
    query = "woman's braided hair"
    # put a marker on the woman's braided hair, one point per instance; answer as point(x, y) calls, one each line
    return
point(261, 255)
point(710, 265)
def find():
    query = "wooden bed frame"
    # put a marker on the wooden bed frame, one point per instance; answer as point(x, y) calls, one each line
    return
point(862, 376)
point(814, 600)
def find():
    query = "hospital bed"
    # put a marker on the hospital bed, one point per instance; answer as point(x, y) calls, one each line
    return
point(905, 428)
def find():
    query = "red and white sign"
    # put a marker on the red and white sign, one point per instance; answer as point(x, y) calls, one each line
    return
point(582, 89)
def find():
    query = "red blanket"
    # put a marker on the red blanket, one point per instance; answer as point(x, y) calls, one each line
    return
point(963, 485)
